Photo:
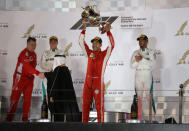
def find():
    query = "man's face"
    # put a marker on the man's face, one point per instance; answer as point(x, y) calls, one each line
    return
point(31, 45)
point(143, 43)
point(53, 44)
point(96, 46)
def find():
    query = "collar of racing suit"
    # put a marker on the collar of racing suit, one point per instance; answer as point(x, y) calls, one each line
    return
point(145, 50)
point(96, 52)
point(28, 50)
point(54, 50)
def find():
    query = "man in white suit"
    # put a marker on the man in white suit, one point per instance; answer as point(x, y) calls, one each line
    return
point(143, 61)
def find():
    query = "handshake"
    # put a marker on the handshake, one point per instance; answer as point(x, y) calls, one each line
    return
point(41, 75)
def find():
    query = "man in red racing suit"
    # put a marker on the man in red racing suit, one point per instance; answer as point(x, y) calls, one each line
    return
point(94, 81)
point(23, 80)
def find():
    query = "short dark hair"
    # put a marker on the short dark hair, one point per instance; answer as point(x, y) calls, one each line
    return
point(31, 39)
point(53, 38)
point(142, 37)
point(98, 39)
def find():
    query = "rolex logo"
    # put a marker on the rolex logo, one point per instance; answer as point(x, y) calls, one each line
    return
point(28, 33)
point(181, 30)
point(183, 58)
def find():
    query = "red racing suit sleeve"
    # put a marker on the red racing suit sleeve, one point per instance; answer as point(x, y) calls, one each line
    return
point(111, 45)
point(83, 44)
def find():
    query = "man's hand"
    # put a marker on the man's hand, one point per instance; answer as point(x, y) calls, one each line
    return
point(84, 24)
point(41, 75)
point(51, 99)
point(138, 58)
point(108, 26)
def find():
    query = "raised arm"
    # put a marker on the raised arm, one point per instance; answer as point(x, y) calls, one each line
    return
point(111, 42)
point(82, 42)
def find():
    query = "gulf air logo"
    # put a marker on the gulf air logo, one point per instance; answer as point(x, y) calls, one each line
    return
point(3, 52)
point(185, 85)
point(28, 32)
point(182, 60)
point(79, 26)
point(4, 25)
point(106, 86)
point(68, 47)
point(180, 32)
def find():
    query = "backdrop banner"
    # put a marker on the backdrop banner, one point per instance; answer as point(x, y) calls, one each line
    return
point(168, 33)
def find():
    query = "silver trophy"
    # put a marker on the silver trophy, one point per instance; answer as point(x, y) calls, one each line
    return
point(91, 15)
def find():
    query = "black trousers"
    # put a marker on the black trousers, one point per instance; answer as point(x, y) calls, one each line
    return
point(65, 112)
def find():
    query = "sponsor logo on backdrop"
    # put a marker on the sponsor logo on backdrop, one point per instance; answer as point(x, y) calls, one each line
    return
point(36, 35)
point(78, 81)
point(68, 47)
point(4, 25)
point(40, 36)
point(116, 92)
point(77, 53)
point(78, 84)
point(185, 84)
point(3, 82)
point(3, 52)
point(133, 22)
point(78, 25)
point(106, 86)
point(116, 63)
point(28, 32)
point(182, 60)
point(157, 81)
point(181, 31)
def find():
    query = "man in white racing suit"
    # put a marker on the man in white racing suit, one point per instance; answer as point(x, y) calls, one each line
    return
point(47, 58)
point(143, 61)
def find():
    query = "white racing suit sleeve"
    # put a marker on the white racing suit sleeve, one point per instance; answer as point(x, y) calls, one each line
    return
point(134, 63)
point(83, 44)
point(111, 43)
